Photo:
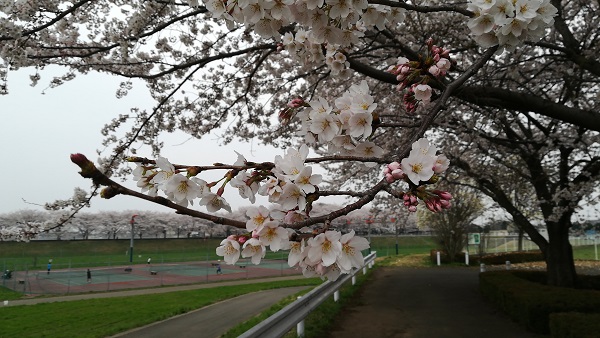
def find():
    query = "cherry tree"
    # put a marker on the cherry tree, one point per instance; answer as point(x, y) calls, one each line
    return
point(358, 82)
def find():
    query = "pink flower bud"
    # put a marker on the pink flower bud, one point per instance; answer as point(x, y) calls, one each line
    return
point(398, 174)
point(296, 103)
point(443, 194)
point(412, 208)
point(394, 165)
point(434, 70)
point(413, 200)
point(389, 178)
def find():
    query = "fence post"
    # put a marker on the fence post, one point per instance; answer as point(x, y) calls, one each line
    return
point(439, 262)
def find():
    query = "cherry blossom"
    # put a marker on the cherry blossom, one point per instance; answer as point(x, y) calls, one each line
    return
point(351, 256)
point(229, 250)
point(254, 249)
point(325, 247)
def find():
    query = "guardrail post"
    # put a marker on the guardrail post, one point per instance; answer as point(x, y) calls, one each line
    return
point(507, 265)
point(364, 270)
point(300, 329)
point(481, 267)
point(353, 280)
point(439, 261)
point(336, 296)
point(466, 258)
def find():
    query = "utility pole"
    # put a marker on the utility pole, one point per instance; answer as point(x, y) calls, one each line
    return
point(132, 222)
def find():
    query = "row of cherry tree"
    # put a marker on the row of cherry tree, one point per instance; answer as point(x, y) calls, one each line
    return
point(507, 89)
point(154, 224)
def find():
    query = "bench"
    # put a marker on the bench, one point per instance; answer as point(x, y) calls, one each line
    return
point(153, 272)
point(128, 269)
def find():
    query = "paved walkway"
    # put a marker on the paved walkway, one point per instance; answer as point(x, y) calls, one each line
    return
point(435, 302)
point(214, 320)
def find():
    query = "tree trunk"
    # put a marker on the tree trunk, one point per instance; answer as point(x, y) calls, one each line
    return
point(520, 240)
point(559, 257)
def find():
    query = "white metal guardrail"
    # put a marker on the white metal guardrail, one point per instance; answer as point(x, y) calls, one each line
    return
point(282, 322)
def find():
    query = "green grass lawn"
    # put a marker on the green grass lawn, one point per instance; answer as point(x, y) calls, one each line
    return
point(20, 256)
point(585, 252)
point(102, 317)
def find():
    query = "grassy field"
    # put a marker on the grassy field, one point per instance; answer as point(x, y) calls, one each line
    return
point(92, 253)
point(80, 318)
point(72, 254)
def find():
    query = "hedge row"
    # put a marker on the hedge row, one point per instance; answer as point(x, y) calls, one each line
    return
point(574, 325)
point(532, 304)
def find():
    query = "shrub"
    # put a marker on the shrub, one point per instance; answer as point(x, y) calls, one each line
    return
point(531, 303)
point(574, 325)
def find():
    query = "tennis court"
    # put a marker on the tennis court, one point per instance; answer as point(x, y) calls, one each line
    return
point(65, 281)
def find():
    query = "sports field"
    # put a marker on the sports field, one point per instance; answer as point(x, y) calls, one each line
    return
point(65, 281)
point(173, 262)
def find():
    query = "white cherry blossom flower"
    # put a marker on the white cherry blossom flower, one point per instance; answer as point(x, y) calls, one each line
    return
point(333, 272)
point(214, 202)
point(182, 188)
point(291, 197)
point(255, 249)
point(422, 92)
point(306, 181)
point(325, 247)
point(418, 167)
point(273, 235)
point(360, 125)
point(229, 250)
point(441, 164)
point(297, 253)
point(351, 256)
point(368, 149)
point(258, 216)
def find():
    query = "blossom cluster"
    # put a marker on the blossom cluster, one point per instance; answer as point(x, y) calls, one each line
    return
point(415, 75)
point(344, 126)
point(420, 167)
point(338, 23)
point(509, 23)
point(327, 254)
point(286, 184)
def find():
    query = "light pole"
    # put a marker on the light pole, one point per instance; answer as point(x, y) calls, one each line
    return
point(393, 219)
point(132, 222)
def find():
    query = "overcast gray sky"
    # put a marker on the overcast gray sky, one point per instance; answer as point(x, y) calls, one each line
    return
point(39, 131)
